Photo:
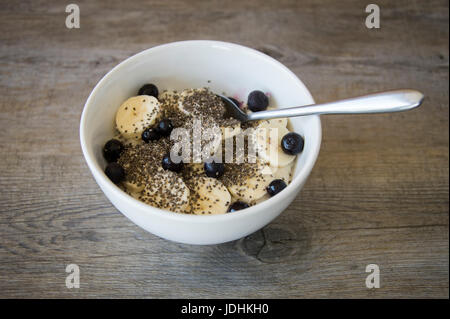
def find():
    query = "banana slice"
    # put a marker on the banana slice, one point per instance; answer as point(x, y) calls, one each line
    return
point(169, 100)
point(184, 94)
point(281, 122)
point(269, 174)
point(267, 138)
point(284, 173)
point(136, 114)
point(133, 139)
point(166, 95)
point(262, 199)
point(192, 170)
point(209, 196)
point(133, 187)
point(167, 190)
point(254, 187)
point(197, 168)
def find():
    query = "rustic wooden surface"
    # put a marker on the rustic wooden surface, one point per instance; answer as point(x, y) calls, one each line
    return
point(379, 192)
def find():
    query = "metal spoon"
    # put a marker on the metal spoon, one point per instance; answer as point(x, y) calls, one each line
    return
point(389, 101)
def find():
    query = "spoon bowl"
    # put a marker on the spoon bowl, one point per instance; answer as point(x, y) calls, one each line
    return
point(233, 110)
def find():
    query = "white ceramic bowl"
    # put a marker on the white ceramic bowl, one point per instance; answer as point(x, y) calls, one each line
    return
point(224, 67)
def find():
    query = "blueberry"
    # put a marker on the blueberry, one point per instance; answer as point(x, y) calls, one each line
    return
point(149, 89)
point(292, 143)
point(115, 172)
point(237, 206)
point(168, 164)
point(164, 128)
point(149, 135)
point(257, 101)
point(112, 150)
point(214, 169)
point(276, 186)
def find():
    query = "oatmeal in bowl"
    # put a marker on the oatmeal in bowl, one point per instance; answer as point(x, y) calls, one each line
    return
point(180, 151)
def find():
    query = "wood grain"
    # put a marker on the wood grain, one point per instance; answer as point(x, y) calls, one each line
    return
point(379, 192)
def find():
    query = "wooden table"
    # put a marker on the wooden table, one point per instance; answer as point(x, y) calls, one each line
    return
point(379, 193)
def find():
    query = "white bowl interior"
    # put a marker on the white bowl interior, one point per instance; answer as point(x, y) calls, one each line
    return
point(224, 68)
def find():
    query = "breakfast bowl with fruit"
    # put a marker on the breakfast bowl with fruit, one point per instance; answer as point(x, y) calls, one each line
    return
point(193, 141)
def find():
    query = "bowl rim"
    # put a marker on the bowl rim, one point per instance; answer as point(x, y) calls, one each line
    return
point(100, 176)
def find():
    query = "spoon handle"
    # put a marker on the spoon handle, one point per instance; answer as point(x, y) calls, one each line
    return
point(389, 101)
